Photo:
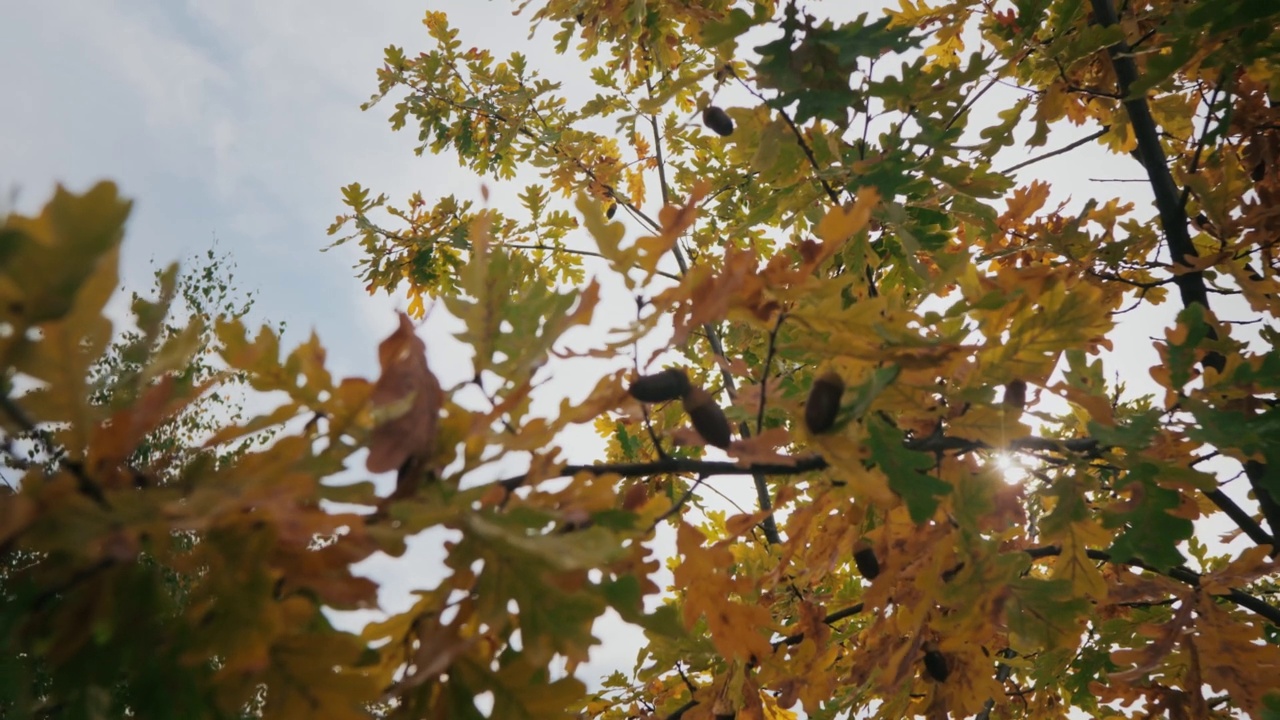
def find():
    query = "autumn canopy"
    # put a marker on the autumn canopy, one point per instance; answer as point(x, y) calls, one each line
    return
point(1004, 442)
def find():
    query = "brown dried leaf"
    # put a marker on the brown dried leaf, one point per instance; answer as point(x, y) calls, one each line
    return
point(406, 402)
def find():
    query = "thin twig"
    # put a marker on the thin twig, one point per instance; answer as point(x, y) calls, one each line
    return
point(764, 374)
point(1181, 574)
point(804, 144)
point(1204, 134)
point(85, 485)
point(969, 103)
point(571, 251)
point(678, 505)
point(1052, 153)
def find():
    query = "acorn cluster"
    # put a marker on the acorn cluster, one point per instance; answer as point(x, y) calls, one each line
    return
point(673, 384)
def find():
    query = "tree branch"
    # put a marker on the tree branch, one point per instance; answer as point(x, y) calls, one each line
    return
point(680, 711)
point(832, 617)
point(1256, 472)
point(704, 468)
point(802, 464)
point(85, 485)
point(1064, 149)
point(1085, 446)
point(1173, 218)
point(1242, 519)
point(1181, 574)
point(571, 251)
point(1204, 135)
point(804, 144)
point(768, 525)
point(764, 374)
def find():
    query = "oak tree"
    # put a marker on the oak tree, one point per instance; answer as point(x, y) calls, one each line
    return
point(869, 311)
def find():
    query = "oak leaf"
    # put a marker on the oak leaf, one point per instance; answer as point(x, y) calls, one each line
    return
point(405, 401)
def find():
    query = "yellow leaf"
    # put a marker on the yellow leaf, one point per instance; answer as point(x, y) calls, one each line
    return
point(1024, 203)
point(994, 425)
point(1253, 563)
point(608, 235)
point(842, 223)
point(1074, 564)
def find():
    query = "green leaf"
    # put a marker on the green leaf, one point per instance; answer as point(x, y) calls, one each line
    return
point(1271, 706)
point(865, 394)
point(1042, 615)
point(907, 470)
point(718, 32)
point(1134, 430)
point(624, 595)
point(1151, 532)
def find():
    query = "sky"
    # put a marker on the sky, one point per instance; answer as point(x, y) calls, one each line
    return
point(233, 124)
point(236, 122)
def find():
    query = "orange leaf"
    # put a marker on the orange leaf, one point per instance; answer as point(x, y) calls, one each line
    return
point(1024, 203)
point(16, 512)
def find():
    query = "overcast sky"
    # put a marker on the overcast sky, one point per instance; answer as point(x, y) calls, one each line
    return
point(232, 121)
point(238, 121)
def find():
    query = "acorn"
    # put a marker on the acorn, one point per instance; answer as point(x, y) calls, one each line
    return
point(717, 120)
point(670, 384)
point(935, 663)
point(824, 402)
point(613, 210)
point(865, 559)
point(708, 419)
point(1015, 394)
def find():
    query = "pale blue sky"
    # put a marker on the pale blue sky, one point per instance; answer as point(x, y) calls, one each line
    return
point(231, 120)
point(238, 121)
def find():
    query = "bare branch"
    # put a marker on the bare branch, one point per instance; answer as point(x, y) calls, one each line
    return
point(1052, 153)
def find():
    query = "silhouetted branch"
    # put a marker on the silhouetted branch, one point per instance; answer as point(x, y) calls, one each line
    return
point(1173, 217)
point(806, 463)
point(1242, 519)
point(85, 485)
point(1052, 153)
point(1181, 574)
point(1256, 472)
